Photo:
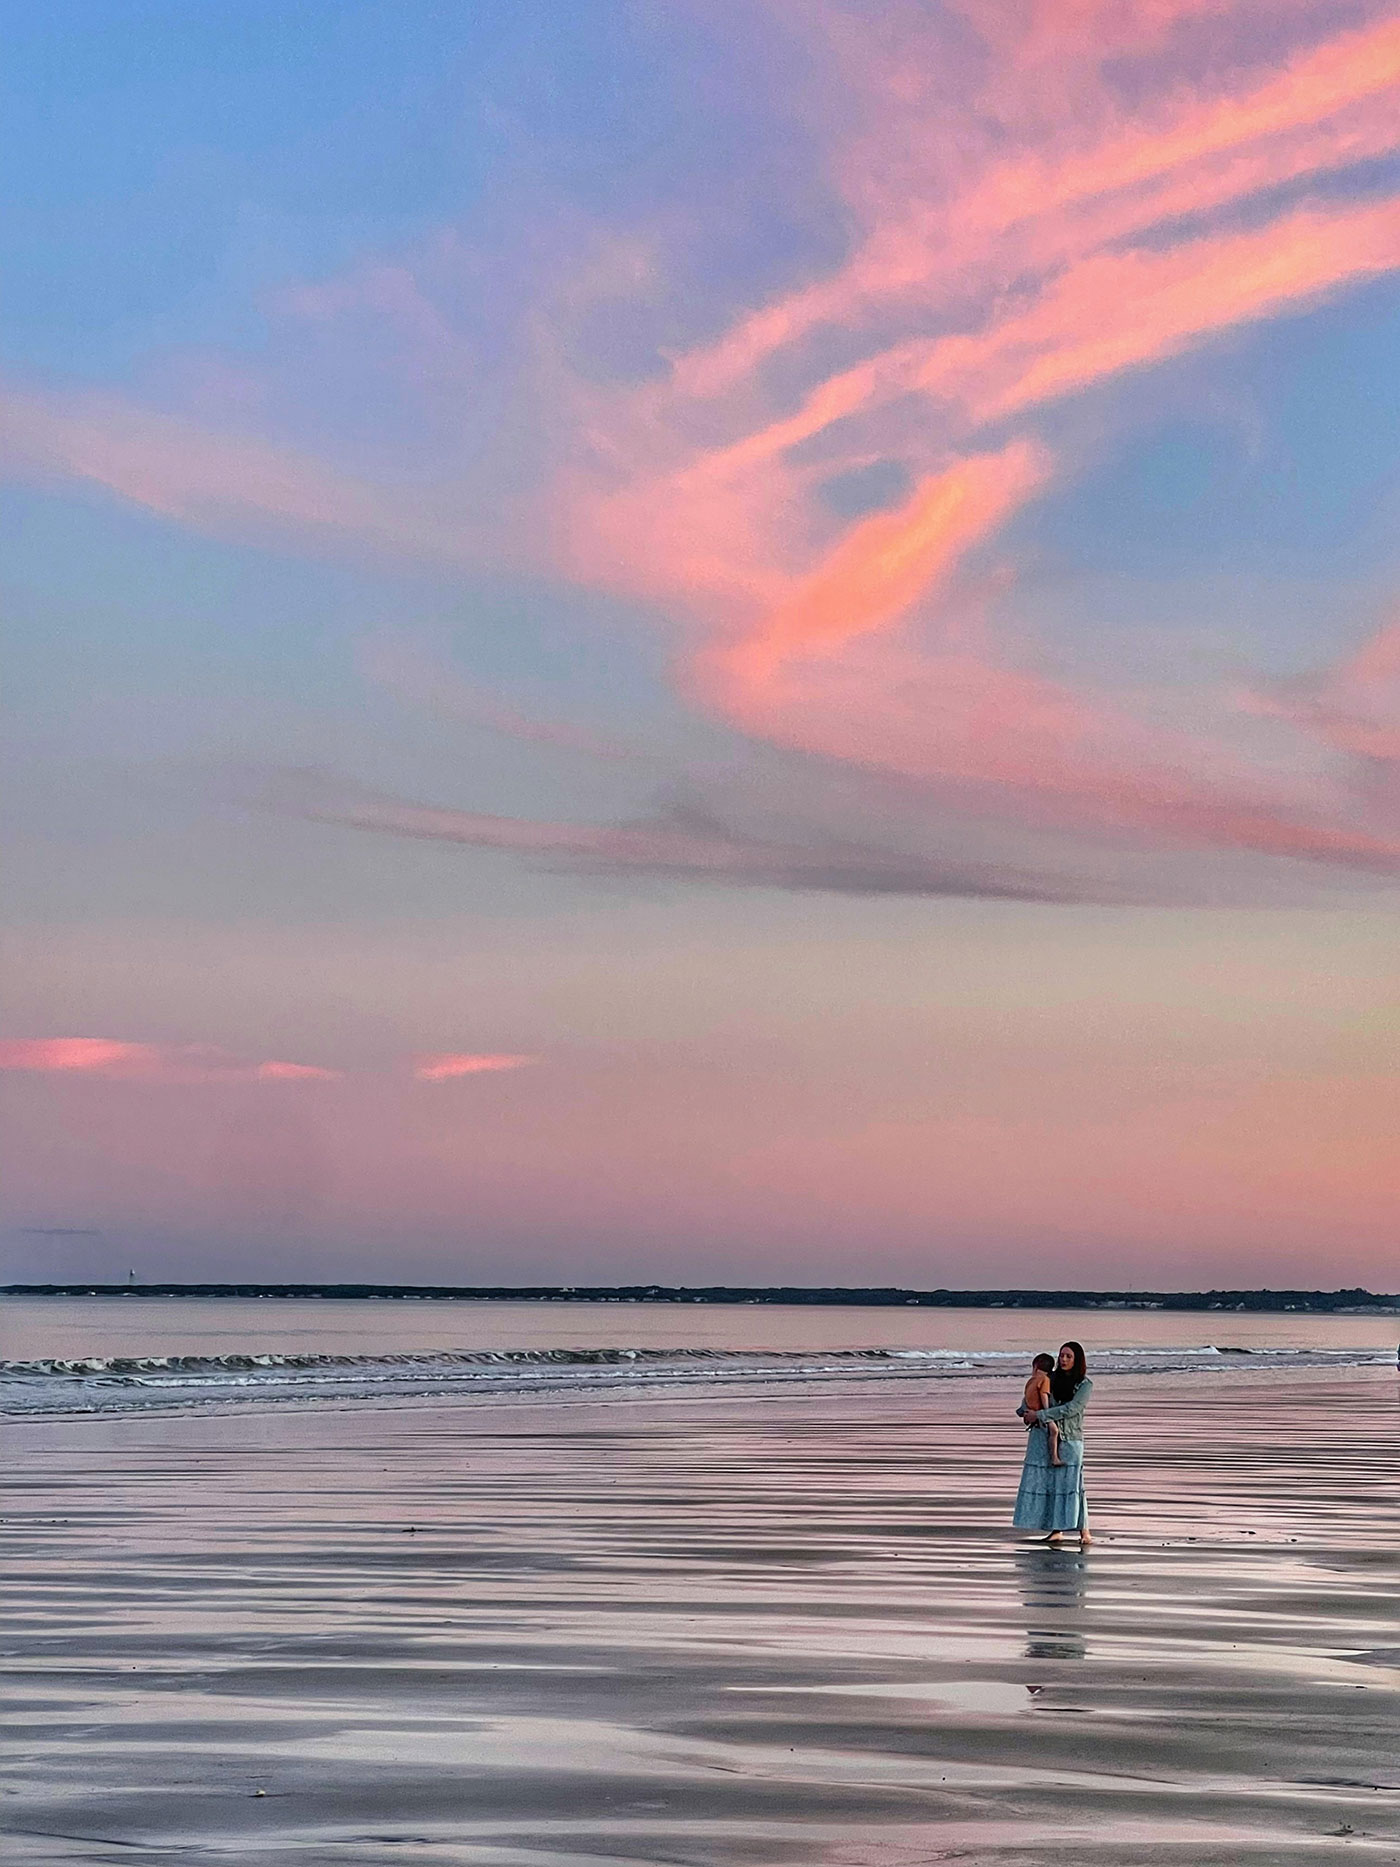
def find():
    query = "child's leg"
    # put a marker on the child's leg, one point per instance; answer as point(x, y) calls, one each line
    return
point(1054, 1433)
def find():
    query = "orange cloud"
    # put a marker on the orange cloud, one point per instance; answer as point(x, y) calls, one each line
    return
point(116, 1061)
point(885, 565)
point(443, 1066)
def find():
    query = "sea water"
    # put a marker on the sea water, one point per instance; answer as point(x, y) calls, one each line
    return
point(70, 1355)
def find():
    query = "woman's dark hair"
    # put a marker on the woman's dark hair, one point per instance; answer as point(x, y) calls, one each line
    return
point(1064, 1382)
point(1045, 1363)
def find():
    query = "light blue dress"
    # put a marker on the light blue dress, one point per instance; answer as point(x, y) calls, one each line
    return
point(1051, 1497)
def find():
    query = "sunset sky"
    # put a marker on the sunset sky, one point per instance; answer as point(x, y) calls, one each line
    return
point(697, 641)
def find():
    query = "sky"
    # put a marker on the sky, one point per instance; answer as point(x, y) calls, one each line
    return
point(702, 643)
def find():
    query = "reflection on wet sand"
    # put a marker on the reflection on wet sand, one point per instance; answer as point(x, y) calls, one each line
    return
point(1054, 1584)
point(792, 1631)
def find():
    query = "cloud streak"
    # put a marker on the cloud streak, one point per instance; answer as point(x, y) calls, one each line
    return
point(683, 844)
point(223, 483)
point(1025, 186)
point(116, 1060)
point(1079, 241)
point(405, 668)
point(885, 565)
point(446, 1066)
point(1353, 706)
point(119, 1060)
point(1035, 213)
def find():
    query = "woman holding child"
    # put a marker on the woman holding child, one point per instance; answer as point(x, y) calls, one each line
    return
point(1051, 1498)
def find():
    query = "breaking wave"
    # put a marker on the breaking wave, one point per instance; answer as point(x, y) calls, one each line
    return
point(106, 1384)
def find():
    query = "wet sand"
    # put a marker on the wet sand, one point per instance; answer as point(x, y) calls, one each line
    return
point(783, 1630)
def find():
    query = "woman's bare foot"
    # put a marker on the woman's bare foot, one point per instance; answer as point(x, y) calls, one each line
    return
point(1085, 1539)
point(1057, 1461)
point(1056, 1537)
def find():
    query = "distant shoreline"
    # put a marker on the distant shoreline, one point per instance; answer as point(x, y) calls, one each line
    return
point(1310, 1302)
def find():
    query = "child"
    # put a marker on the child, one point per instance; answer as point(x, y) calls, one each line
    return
point(1038, 1396)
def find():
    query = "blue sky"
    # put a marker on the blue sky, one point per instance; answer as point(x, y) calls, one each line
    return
point(696, 554)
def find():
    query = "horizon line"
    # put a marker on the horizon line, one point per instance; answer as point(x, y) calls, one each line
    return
point(833, 1295)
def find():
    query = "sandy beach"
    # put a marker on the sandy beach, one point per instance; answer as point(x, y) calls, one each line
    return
point(782, 1630)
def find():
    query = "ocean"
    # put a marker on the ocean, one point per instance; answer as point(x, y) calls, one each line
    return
point(113, 1355)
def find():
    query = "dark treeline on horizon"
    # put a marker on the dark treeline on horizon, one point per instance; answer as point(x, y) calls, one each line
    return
point(830, 1296)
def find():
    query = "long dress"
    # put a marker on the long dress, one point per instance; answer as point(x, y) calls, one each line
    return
point(1051, 1497)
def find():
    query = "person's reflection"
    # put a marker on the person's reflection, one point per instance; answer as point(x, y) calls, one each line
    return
point(1054, 1584)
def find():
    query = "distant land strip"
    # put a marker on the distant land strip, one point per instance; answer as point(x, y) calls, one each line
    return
point(1346, 1302)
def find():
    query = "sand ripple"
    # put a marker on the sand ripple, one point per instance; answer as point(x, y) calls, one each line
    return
point(789, 1630)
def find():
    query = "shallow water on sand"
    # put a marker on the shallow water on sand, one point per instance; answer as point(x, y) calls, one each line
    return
point(789, 1629)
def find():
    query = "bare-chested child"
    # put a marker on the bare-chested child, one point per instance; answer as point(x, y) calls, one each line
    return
point(1038, 1396)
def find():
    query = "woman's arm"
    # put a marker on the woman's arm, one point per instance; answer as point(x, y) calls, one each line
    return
point(1067, 1409)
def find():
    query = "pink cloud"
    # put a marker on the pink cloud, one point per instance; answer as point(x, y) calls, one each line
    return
point(1037, 163)
point(1077, 242)
point(1353, 706)
point(889, 562)
point(221, 482)
point(443, 1066)
point(275, 1072)
point(1004, 738)
point(93, 1055)
point(1119, 311)
point(116, 1061)
point(1035, 209)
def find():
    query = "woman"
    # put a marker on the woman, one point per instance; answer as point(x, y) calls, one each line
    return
point(1051, 1497)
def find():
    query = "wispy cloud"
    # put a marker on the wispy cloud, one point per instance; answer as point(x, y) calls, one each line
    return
point(1019, 154)
point(445, 1066)
point(277, 1072)
point(1035, 209)
point(407, 668)
point(886, 564)
point(224, 483)
point(682, 843)
point(1026, 235)
point(116, 1060)
point(1353, 706)
point(110, 1059)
